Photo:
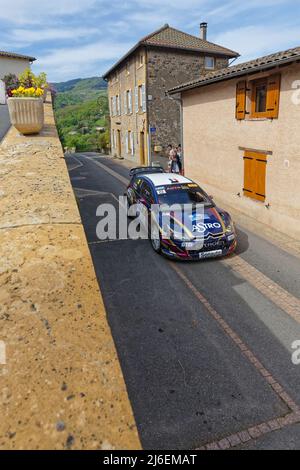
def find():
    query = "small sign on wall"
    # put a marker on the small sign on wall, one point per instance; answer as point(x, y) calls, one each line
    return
point(2, 93)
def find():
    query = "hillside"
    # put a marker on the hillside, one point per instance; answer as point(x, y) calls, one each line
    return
point(78, 90)
point(81, 113)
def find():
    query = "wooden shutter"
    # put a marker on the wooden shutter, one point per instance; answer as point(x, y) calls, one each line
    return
point(127, 142)
point(143, 98)
point(255, 175)
point(130, 102)
point(125, 102)
point(241, 100)
point(260, 169)
point(132, 143)
point(273, 93)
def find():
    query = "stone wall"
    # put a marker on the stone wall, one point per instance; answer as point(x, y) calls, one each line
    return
point(61, 382)
point(166, 69)
point(127, 77)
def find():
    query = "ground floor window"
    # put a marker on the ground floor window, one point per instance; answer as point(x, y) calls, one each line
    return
point(130, 142)
point(255, 164)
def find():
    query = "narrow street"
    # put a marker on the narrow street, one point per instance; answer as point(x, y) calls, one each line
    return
point(205, 347)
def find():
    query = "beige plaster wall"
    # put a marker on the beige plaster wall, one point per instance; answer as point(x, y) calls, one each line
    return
point(10, 65)
point(212, 137)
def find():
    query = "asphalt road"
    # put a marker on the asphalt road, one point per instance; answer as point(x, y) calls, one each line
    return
point(4, 120)
point(185, 331)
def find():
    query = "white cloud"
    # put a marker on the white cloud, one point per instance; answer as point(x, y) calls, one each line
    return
point(255, 41)
point(72, 62)
point(38, 11)
point(38, 35)
point(236, 7)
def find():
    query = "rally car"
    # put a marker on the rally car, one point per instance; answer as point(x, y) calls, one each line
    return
point(195, 229)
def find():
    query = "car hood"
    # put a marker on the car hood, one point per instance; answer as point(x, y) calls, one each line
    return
point(197, 224)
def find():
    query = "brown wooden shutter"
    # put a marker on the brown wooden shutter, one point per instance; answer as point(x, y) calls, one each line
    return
point(255, 175)
point(260, 171)
point(273, 93)
point(241, 100)
point(249, 175)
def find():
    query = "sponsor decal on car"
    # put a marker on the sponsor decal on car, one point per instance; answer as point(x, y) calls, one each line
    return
point(202, 227)
point(210, 254)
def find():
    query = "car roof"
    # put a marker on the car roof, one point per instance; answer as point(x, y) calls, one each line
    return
point(162, 179)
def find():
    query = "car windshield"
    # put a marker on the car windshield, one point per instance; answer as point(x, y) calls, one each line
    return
point(183, 194)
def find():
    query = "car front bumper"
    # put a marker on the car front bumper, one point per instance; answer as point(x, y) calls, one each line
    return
point(174, 250)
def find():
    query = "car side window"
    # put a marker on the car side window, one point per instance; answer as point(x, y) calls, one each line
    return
point(137, 182)
point(146, 192)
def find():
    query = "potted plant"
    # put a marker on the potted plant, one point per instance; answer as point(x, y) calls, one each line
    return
point(26, 109)
point(11, 83)
point(41, 82)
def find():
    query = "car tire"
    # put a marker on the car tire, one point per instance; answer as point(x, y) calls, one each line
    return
point(156, 239)
point(128, 206)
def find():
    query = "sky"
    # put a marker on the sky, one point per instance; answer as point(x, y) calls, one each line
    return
point(83, 38)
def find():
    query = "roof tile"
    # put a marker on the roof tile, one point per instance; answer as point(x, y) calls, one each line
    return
point(251, 66)
point(14, 55)
point(172, 38)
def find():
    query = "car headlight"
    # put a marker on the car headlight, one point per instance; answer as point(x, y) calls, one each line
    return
point(229, 228)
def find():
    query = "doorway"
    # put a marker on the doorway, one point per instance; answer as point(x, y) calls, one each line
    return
point(142, 148)
point(118, 143)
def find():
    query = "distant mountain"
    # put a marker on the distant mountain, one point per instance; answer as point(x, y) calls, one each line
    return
point(94, 83)
point(78, 90)
point(81, 110)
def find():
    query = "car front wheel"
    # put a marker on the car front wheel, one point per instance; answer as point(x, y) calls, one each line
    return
point(155, 239)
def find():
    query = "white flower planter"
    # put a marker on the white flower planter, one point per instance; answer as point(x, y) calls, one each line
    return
point(26, 114)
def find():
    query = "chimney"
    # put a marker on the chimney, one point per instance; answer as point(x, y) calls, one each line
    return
point(203, 31)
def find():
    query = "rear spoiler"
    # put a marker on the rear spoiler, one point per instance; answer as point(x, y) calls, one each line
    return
point(146, 170)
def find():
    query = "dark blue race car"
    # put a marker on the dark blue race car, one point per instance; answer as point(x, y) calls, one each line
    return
point(194, 229)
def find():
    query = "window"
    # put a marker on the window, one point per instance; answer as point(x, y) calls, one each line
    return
point(129, 101)
point(259, 98)
point(209, 63)
point(127, 67)
point(113, 105)
point(141, 60)
point(130, 142)
point(118, 108)
point(147, 193)
point(263, 96)
point(255, 165)
point(142, 98)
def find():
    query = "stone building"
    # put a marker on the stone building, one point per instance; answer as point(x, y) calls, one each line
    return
point(241, 138)
point(144, 119)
